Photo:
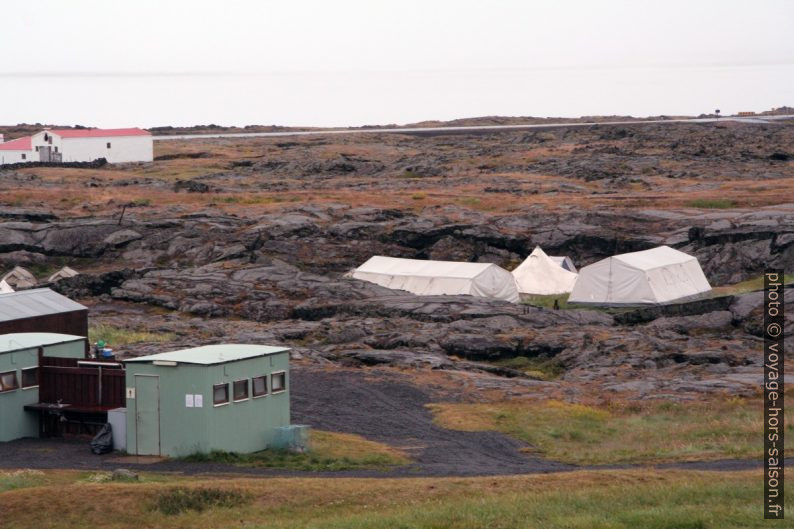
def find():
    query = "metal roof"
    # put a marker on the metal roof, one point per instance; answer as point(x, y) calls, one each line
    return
point(36, 302)
point(212, 354)
point(98, 133)
point(19, 144)
point(25, 340)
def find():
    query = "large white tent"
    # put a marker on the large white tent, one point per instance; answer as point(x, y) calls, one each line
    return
point(540, 274)
point(658, 275)
point(439, 277)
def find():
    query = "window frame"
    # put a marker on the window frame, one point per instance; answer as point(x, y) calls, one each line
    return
point(16, 381)
point(22, 377)
point(24, 156)
point(108, 143)
point(272, 386)
point(253, 390)
point(216, 404)
point(247, 390)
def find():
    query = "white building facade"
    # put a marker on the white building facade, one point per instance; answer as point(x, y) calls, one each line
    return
point(16, 151)
point(81, 145)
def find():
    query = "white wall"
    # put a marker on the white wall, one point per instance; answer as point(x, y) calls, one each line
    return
point(16, 156)
point(122, 148)
point(37, 140)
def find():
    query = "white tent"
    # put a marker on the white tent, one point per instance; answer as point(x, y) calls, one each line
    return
point(5, 288)
point(63, 273)
point(659, 275)
point(543, 275)
point(20, 278)
point(565, 262)
point(428, 278)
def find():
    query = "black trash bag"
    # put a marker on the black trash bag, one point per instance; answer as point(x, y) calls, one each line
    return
point(102, 443)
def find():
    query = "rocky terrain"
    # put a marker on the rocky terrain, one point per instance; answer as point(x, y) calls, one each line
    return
point(249, 240)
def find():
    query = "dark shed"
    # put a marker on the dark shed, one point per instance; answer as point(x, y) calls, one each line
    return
point(42, 310)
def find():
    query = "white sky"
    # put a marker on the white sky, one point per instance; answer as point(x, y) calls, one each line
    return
point(108, 36)
point(355, 62)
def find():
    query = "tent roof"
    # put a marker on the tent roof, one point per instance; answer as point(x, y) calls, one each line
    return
point(26, 340)
point(543, 275)
point(213, 354)
point(416, 267)
point(654, 258)
point(36, 302)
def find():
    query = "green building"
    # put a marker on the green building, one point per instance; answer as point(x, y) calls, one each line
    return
point(19, 376)
point(229, 397)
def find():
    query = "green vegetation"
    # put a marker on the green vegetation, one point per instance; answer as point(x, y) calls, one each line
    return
point(182, 499)
point(540, 367)
point(329, 452)
point(749, 285)
point(647, 433)
point(20, 479)
point(547, 302)
point(712, 203)
point(115, 336)
point(609, 499)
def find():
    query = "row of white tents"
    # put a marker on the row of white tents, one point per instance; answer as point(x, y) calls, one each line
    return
point(655, 276)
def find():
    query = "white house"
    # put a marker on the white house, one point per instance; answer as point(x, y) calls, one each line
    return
point(80, 145)
point(16, 151)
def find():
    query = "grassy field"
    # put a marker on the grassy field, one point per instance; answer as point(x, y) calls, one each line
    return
point(602, 500)
point(115, 336)
point(330, 451)
point(634, 433)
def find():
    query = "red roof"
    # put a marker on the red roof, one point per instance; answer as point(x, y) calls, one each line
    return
point(99, 133)
point(19, 144)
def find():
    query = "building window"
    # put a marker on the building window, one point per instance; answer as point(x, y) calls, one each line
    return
point(240, 390)
point(24, 156)
point(56, 149)
point(278, 381)
point(8, 381)
point(37, 148)
point(108, 145)
point(46, 137)
point(220, 394)
point(30, 377)
point(260, 386)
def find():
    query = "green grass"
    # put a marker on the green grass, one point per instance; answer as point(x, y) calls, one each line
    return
point(547, 302)
point(20, 479)
point(638, 433)
point(115, 336)
point(330, 452)
point(712, 203)
point(542, 368)
point(609, 499)
point(749, 285)
point(182, 499)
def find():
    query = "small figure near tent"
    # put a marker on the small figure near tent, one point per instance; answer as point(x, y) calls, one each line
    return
point(542, 275)
point(19, 278)
point(63, 273)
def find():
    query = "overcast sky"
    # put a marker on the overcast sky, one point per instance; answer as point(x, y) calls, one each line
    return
point(102, 36)
point(356, 62)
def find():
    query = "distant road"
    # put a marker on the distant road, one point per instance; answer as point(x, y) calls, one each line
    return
point(466, 129)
